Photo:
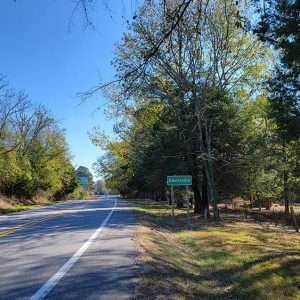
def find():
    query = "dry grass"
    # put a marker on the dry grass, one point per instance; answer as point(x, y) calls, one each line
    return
point(233, 259)
point(9, 205)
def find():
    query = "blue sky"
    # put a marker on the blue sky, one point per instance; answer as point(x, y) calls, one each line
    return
point(40, 56)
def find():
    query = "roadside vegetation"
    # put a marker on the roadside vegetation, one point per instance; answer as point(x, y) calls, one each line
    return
point(236, 258)
point(208, 89)
point(16, 208)
point(35, 160)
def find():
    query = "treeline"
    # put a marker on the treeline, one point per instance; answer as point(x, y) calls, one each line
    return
point(34, 156)
point(206, 99)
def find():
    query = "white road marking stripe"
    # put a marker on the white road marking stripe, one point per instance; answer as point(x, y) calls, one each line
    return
point(52, 282)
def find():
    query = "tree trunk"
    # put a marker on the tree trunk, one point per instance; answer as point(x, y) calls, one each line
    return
point(205, 143)
point(157, 196)
point(285, 192)
point(163, 195)
point(179, 201)
point(285, 180)
point(211, 187)
point(258, 200)
point(205, 199)
point(197, 198)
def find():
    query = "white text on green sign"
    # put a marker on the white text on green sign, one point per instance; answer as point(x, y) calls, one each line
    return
point(179, 180)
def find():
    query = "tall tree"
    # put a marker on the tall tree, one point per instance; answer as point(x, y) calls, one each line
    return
point(34, 155)
point(279, 26)
point(82, 171)
point(207, 56)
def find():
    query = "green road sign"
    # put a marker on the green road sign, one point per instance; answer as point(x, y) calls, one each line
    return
point(179, 180)
point(84, 182)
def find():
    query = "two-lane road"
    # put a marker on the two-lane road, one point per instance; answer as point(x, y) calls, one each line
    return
point(73, 250)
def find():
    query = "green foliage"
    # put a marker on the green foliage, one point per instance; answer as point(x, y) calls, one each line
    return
point(34, 155)
point(69, 182)
point(100, 188)
point(16, 208)
point(85, 172)
point(279, 26)
point(78, 193)
point(199, 105)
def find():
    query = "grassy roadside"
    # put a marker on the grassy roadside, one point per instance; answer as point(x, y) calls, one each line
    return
point(234, 259)
point(16, 208)
point(11, 205)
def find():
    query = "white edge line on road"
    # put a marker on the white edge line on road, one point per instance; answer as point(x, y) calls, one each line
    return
point(52, 282)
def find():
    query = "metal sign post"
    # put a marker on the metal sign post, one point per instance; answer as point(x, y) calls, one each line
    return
point(180, 180)
point(187, 206)
point(172, 200)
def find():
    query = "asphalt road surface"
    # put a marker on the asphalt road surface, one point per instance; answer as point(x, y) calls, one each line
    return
point(72, 250)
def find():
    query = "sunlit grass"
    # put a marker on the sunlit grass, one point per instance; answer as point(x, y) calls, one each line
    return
point(233, 259)
point(17, 208)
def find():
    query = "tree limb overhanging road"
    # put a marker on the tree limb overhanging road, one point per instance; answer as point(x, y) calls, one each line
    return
point(73, 250)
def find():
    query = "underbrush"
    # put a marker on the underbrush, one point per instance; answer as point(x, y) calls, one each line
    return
point(12, 204)
point(78, 194)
